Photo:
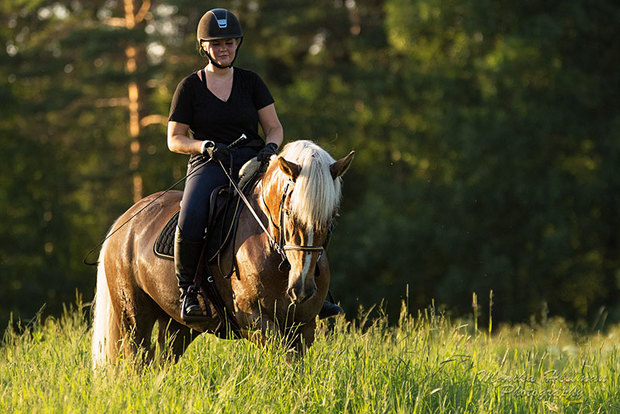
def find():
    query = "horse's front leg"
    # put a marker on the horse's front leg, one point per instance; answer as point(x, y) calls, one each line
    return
point(262, 330)
point(304, 337)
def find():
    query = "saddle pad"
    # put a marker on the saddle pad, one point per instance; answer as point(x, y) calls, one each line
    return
point(164, 245)
point(222, 220)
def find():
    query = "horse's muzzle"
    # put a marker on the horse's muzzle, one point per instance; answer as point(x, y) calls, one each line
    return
point(299, 296)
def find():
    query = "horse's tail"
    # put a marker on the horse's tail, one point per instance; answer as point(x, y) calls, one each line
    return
point(105, 329)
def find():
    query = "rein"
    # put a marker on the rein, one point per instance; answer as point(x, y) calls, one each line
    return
point(251, 209)
point(280, 246)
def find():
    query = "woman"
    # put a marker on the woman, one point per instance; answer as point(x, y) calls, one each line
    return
point(215, 105)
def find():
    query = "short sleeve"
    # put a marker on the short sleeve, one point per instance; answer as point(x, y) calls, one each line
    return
point(181, 106)
point(262, 97)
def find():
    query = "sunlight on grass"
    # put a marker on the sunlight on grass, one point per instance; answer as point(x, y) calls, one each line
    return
point(425, 364)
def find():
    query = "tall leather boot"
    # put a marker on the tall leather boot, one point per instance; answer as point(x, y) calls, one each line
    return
point(186, 257)
point(329, 308)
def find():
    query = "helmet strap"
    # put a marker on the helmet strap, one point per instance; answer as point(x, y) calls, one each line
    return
point(217, 65)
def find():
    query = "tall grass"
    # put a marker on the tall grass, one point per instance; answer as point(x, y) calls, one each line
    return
point(425, 364)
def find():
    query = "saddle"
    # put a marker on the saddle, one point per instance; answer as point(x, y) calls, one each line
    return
point(224, 210)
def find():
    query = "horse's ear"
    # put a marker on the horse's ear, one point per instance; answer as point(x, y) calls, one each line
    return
point(289, 168)
point(341, 166)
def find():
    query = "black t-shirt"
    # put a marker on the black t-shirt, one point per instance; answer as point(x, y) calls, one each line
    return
point(209, 117)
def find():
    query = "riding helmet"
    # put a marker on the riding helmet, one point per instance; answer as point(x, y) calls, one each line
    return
point(218, 24)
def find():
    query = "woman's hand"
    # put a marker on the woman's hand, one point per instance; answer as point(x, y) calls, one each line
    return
point(215, 150)
point(266, 152)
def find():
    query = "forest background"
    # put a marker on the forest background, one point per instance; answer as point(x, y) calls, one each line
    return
point(487, 136)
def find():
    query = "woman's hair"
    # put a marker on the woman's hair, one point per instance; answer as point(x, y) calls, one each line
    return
point(200, 49)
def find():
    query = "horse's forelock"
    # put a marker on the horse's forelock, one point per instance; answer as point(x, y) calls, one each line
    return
point(316, 195)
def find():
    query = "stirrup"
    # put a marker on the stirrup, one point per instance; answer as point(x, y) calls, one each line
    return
point(193, 316)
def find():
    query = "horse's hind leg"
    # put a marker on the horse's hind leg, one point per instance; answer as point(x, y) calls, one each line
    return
point(138, 316)
point(174, 338)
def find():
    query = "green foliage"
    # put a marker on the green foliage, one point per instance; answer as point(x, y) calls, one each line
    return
point(486, 136)
point(424, 364)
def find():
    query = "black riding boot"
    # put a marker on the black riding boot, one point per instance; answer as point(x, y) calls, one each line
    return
point(329, 308)
point(186, 257)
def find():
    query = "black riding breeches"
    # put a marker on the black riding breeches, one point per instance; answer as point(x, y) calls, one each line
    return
point(203, 179)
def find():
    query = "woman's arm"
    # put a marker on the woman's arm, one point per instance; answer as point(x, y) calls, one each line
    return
point(178, 141)
point(269, 122)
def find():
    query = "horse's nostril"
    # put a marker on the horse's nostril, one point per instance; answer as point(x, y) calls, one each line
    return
point(309, 295)
point(297, 297)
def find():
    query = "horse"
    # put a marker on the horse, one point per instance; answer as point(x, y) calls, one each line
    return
point(280, 277)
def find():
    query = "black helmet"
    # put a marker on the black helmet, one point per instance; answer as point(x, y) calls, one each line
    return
point(218, 24)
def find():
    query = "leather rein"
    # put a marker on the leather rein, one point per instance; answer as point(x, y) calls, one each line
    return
point(280, 246)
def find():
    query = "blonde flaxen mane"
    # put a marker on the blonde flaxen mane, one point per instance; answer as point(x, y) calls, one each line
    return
point(316, 195)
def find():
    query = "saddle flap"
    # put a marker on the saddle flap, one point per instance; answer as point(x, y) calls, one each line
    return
point(222, 213)
point(224, 209)
point(217, 204)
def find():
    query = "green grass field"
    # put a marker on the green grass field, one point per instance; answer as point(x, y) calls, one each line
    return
point(426, 364)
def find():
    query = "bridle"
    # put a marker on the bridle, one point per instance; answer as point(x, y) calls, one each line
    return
point(280, 246)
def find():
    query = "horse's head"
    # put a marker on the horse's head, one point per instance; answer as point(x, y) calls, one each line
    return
point(302, 190)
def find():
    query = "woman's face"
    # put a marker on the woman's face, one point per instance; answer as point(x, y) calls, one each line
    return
point(221, 50)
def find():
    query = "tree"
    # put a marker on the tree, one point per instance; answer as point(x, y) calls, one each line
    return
point(486, 139)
